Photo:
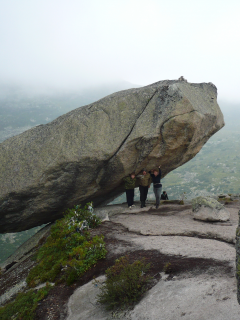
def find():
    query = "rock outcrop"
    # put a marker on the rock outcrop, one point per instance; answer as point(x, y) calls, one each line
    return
point(201, 283)
point(238, 258)
point(83, 155)
point(209, 209)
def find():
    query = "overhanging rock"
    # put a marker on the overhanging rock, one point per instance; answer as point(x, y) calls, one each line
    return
point(83, 155)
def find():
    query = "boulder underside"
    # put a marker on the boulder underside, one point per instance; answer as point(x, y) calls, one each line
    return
point(83, 155)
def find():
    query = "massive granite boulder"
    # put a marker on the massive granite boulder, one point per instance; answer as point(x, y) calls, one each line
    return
point(83, 155)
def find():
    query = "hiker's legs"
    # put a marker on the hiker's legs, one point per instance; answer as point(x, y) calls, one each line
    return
point(132, 196)
point(129, 196)
point(157, 192)
point(142, 195)
point(145, 193)
point(141, 190)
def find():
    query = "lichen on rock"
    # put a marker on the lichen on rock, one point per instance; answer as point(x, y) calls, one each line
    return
point(209, 209)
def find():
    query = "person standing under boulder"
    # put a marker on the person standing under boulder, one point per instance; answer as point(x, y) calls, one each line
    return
point(144, 185)
point(157, 186)
point(130, 182)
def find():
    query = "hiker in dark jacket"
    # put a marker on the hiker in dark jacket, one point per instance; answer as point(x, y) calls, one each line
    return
point(164, 196)
point(129, 188)
point(157, 186)
point(144, 184)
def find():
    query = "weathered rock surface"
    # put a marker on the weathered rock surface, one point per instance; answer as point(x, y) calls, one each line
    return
point(200, 295)
point(172, 220)
point(15, 269)
point(83, 155)
point(238, 258)
point(209, 209)
point(202, 285)
point(200, 298)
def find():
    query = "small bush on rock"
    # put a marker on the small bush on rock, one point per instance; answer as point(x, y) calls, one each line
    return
point(78, 214)
point(167, 267)
point(125, 283)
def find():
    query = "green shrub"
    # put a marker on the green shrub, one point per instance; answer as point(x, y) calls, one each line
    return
point(225, 199)
point(167, 267)
point(78, 214)
point(69, 249)
point(125, 283)
point(24, 306)
point(238, 267)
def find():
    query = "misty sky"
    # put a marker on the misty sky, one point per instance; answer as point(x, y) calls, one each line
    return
point(71, 43)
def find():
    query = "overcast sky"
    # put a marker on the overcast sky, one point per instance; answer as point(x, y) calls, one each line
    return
point(70, 43)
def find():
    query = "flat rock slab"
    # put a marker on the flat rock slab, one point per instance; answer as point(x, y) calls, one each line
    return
point(188, 247)
point(172, 232)
point(83, 303)
point(199, 298)
point(168, 220)
point(202, 285)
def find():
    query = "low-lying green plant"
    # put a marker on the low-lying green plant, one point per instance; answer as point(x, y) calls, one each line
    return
point(79, 214)
point(69, 249)
point(238, 267)
point(125, 283)
point(167, 267)
point(24, 306)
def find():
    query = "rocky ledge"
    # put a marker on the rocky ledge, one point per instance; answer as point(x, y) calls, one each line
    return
point(201, 284)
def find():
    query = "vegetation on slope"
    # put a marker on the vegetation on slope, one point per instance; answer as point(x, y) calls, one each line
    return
point(69, 250)
point(66, 255)
point(24, 306)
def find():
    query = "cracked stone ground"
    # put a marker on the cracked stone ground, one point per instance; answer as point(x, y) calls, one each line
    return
point(201, 284)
